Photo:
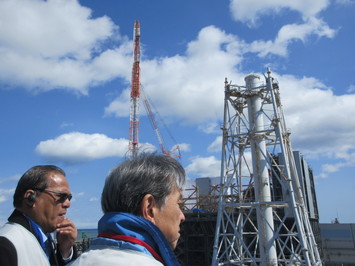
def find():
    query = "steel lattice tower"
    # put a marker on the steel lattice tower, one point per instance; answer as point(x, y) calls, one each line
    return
point(262, 218)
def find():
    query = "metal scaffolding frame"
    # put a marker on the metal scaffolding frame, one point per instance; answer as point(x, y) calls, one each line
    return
point(255, 225)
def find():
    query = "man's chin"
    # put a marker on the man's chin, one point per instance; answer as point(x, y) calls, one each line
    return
point(173, 244)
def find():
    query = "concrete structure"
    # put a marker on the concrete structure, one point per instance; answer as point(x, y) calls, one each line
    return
point(338, 242)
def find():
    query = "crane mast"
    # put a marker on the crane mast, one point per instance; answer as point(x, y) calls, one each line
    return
point(135, 94)
point(134, 103)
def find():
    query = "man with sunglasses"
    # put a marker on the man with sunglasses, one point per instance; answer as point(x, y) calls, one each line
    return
point(41, 200)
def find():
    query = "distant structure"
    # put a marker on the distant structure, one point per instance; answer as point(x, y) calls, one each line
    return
point(338, 241)
point(255, 225)
point(135, 94)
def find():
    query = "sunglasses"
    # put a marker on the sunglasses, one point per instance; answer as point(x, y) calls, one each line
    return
point(62, 196)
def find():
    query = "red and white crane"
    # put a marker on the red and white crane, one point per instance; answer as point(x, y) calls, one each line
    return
point(134, 107)
point(135, 94)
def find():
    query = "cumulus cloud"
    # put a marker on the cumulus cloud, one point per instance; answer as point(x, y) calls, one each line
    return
point(347, 159)
point(216, 145)
point(57, 44)
point(204, 166)
point(289, 34)
point(249, 11)
point(184, 147)
point(77, 147)
point(210, 128)
point(120, 106)
point(312, 114)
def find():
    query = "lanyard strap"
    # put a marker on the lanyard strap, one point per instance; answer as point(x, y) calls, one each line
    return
point(133, 240)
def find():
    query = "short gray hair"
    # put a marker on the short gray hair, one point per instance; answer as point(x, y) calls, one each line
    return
point(130, 181)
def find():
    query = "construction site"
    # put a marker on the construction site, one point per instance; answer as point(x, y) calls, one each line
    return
point(262, 209)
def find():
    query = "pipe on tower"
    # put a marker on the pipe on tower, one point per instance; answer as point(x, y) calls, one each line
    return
point(260, 171)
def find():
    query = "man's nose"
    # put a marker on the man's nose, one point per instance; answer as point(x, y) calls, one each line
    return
point(182, 216)
point(66, 203)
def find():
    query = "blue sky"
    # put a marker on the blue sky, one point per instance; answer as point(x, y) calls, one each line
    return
point(65, 69)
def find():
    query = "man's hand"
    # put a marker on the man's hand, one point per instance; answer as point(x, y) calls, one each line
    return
point(66, 236)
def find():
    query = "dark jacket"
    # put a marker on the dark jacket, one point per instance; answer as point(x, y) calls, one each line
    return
point(8, 254)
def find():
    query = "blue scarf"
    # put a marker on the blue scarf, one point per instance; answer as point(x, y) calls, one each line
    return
point(126, 224)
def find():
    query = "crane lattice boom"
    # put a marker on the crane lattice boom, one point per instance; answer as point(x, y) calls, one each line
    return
point(135, 94)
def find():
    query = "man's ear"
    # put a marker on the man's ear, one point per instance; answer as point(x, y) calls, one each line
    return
point(149, 207)
point(30, 197)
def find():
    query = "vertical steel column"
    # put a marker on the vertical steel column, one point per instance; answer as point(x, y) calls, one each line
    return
point(265, 219)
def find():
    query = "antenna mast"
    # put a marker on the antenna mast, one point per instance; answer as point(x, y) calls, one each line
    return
point(135, 94)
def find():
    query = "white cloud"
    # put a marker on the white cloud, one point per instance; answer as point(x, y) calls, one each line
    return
point(204, 166)
point(184, 147)
point(249, 11)
point(211, 128)
point(347, 159)
point(313, 115)
point(76, 147)
point(288, 34)
point(79, 147)
point(146, 148)
point(120, 106)
point(57, 44)
point(321, 122)
point(216, 145)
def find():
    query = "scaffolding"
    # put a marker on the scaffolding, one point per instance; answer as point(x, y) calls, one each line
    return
point(255, 225)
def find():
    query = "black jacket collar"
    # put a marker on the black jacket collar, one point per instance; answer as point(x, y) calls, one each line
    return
point(19, 218)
